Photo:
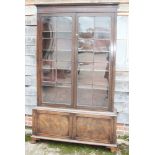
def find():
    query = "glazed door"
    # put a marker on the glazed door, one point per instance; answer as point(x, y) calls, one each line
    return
point(94, 37)
point(57, 34)
point(76, 60)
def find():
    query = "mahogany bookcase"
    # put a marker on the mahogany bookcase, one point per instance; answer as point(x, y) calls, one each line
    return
point(76, 47)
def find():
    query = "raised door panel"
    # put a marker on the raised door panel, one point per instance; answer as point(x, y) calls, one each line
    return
point(94, 129)
point(53, 124)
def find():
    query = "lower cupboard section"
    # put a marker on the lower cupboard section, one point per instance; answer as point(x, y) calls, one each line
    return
point(79, 126)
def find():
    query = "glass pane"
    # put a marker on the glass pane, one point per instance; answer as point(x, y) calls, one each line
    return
point(86, 27)
point(49, 24)
point(101, 66)
point(63, 55)
point(85, 56)
point(85, 66)
point(63, 65)
point(49, 76)
point(64, 24)
point(101, 57)
point(49, 64)
point(86, 45)
point(102, 45)
point(63, 76)
point(102, 24)
point(84, 95)
point(57, 94)
point(100, 98)
point(100, 87)
point(49, 44)
point(89, 34)
point(63, 34)
point(64, 44)
point(102, 35)
point(49, 34)
point(56, 73)
point(57, 35)
point(100, 78)
point(49, 54)
point(85, 77)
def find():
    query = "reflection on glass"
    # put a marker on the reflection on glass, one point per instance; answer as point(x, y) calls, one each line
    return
point(64, 24)
point(64, 65)
point(64, 44)
point(49, 55)
point(100, 78)
point(84, 95)
point(85, 66)
point(56, 54)
point(102, 24)
point(86, 27)
point(101, 66)
point(85, 56)
point(63, 34)
point(102, 45)
point(49, 34)
point(57, 94)
point(86, 24)
point(102, 35)
point(89, 34)
point(63, 76)
point(100, 87)
point(100, 98)
point(93, 61)
point(49, 75)
point(49, 64)
point(85, 77)
point(63, 55)
point(90, 96)
point(49, 44)
point(101, 57)
point(49, 24)
point(53, 76)
point(59, 24)
point(85, 45)
point(57, 35)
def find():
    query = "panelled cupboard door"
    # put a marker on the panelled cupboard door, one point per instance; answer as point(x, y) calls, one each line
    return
point(93, 128)
point(78, 126)
point(52, 124)
point(76, 55)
